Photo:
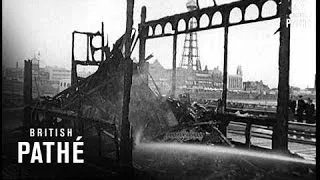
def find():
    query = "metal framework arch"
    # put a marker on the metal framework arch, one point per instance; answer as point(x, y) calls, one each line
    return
point(224, 9)
point(90, 52)
point(283, 10)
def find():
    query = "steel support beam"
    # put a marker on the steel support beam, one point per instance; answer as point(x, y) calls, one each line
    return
point(102, 41)
point(174, 66)
point(126, 139)
point(223, 129)
point(225, 66)
point(280, 131)
point(143, 33)
point(73, 64)
point(142, 36)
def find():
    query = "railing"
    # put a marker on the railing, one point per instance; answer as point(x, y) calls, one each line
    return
point(297, 132)
point(257, 112)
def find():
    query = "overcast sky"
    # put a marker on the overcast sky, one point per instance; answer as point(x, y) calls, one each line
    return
point(45, 26)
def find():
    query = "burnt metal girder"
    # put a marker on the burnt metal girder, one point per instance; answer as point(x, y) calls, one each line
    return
point(93, 49)
point(224, 10)
point(85, 63)
point(88, 33)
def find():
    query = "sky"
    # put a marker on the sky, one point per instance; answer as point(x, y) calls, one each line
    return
point(46, 26)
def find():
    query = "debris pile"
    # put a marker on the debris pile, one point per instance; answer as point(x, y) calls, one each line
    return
point(100, 96)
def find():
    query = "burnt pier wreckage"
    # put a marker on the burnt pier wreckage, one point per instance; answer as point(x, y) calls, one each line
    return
point(115, 110)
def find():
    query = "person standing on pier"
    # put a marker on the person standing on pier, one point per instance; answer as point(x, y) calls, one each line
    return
point(219, 106)
point(301, 108)
point(310, 109)
point(293, 105)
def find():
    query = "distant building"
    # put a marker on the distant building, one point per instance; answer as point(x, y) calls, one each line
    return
point(43, 76)
point(35, 64)
point(239, 70)
point(83, 74)
point(311, 89)
point(307, 91)
point(40, 79)
point(56, 74)
point(13, 74)
point(12, 86)
point(192, 80)
point(273, 91)
point(64, 84)
point(255, 87)
point(39, 75)
point(294, 90)
point(45, 81)
point(188, 78)
point(217, 78)
point(204, 79)
point(235, 81)
point(161, 76)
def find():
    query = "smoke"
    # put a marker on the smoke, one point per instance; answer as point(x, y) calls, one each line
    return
point(138, 136)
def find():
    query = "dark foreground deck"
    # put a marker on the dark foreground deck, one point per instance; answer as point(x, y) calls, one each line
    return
point(151, 161)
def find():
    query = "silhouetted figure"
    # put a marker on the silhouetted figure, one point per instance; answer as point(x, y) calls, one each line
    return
point(293, 105)
point(219, 106)
point(310, 109)
point(301, 108)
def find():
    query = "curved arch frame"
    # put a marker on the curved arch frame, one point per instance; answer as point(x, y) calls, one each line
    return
point(224, 9)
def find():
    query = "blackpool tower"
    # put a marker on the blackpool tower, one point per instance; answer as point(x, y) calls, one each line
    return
point(190, 56)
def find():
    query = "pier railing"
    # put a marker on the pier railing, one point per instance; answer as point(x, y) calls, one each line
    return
point(263, 128)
